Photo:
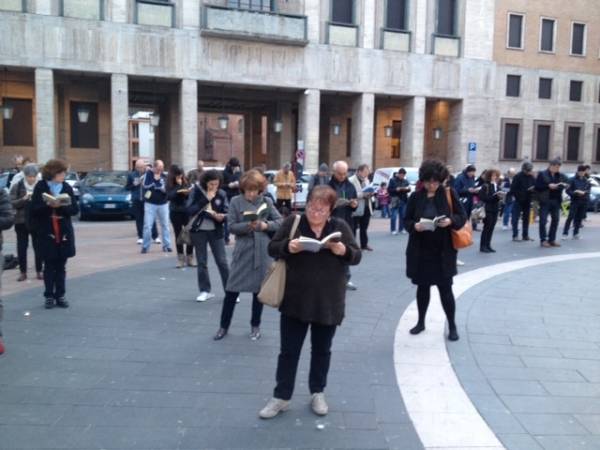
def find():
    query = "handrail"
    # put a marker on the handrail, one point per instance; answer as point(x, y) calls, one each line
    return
point(255, 11)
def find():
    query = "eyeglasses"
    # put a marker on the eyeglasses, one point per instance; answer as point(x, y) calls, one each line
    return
point(318, 211)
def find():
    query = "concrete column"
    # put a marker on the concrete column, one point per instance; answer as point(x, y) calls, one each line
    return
point(42, 7)
point(119, 121)
point(419, 28)
point(312, 10)
point(413, 132)
point(45, 118)
point(367, 24)
point(117, 11)
point(189, 14)
point(309, 112)
point(363, 121)
point(478, 35)
point(287, 144)
point(188, 116)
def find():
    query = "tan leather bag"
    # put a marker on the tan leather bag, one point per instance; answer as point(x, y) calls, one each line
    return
point(273, 286)
point(460, 238)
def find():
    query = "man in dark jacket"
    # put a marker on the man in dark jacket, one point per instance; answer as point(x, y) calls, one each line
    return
point(579, 191)
point(549, 185)
point(347, 201)
point(134, 185)
point(398, 189)
point(154, 188)
point(231, 185)
point(7, 217)
point(465, 187)
point(521, 190)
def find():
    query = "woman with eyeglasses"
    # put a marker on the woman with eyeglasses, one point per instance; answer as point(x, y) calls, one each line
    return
point(314, 297)
point(430, 255)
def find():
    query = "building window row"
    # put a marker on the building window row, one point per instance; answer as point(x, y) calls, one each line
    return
point(511, 140)
point(547, 35)
point(513, 88)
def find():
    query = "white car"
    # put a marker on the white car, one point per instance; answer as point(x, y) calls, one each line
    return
point(72, 179)
point(299, 199)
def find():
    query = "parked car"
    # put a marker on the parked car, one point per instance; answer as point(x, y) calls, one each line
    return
point(299, 200)
point(103, 193)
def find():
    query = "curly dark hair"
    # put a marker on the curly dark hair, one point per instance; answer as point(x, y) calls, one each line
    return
point(174, 172)
point(433, 170)
point(210, 175)
point(489, 173)
point(53, 167)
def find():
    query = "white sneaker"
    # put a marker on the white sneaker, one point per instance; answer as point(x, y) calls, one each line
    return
point(204, 296)
point(319, 405)
point(237, 300)
point(576, 236)
point(394, 233)
point(403, 231)
point(140, 241)
point(459, 262)
point(504, 227)
point(350, 286)
point(157, 241)
point(273, 407)
point(565, 237)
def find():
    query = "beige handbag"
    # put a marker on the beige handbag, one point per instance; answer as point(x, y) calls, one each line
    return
point(273, 286)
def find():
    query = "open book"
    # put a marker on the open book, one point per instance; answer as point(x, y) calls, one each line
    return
point(62, 199)
point(314, 245)
point(260, 213)
point(430, 224)
point(369, 189)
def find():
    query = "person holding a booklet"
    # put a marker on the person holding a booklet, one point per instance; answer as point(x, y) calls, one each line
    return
point(579, 191)
point(431, 213)
point(154, 187)
point(490, 195)
point(252, 218)
point(522, 189)
point(549, 185)
point(314, 296)
point(178, 190)
point(52, 206)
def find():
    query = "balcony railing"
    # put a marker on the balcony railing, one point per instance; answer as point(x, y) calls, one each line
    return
point(253, 25)
point(342, 34)
point(82, 9)
point(398, 40)
point(446, 45)
point(155, 12)
point(13, 5)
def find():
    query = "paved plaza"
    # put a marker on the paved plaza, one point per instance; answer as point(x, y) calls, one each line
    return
point(132, 364)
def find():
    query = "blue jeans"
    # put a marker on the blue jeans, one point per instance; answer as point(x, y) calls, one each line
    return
point(552, 209)
point(217, 245)
point(397, 212)
point(151, 212)
point(385, 211)
point(508, 207)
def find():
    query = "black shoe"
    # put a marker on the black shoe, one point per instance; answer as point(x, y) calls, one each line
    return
point(49, 304)
point(485, 250)
point(220, 334)
point(453, 334)
point(527, 238)
point(62, 303)
point(418, 328)
point(167, 250)
point(491, 250)
point(516, 239)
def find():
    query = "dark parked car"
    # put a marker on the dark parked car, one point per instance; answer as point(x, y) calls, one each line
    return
point(104, 194)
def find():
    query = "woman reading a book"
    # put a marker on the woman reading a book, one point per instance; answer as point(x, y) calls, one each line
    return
point(252, 218)
point(430, 255)
point(178, 190)
point(314, 296)
point(490, 195)
point(52, 205)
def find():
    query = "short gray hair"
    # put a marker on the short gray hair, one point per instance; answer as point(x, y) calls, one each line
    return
point(30, 170)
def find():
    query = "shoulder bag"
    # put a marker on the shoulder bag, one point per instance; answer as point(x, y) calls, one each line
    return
point(463, 237)
point(273, 286)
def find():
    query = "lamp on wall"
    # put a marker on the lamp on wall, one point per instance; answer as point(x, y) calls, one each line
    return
point(278, 123)
point(7, 109)
point(83, 114)
point(388, 131)
point(223, 118)
point(154, 119)
point(336, 129)
point(437, 131)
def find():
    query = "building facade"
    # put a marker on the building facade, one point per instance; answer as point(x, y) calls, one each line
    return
point(386, 82)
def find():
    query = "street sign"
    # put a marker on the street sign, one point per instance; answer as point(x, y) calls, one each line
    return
point(472, 153)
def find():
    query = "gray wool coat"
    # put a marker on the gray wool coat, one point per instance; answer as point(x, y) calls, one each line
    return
point(251, 259)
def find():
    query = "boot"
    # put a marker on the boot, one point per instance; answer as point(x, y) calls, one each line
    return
point(180, 260)
point(191, 261)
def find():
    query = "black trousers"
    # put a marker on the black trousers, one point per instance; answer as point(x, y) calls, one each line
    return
point(489, 223)
point(179, 220)
point(293, 332)
point(446, 296)
point(284, 204)
point(552, 209)
point(22, 243)
point(54, 277)
point(521, 210)
point(577, 213)
point(229, 306)
point(137, 208)
point(361, 224)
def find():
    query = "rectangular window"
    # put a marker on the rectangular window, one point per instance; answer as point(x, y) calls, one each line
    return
point(513, 85)
point(573, 133)
point(84, 130)
point(547, 35)
point(597, 144)
point(18, 131)
point(515, 31)
point(255, 5)
point(575, 91)
point(446, 17)
point(510, 139)
point(342, 11)
point(578, 39)
point(545, 88)
point(348, 137)
point(396, 15)
point(542, 140)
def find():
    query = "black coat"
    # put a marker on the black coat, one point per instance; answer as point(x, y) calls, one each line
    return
point(345, 191)
point(489, 198)
point(42, 223)
point(520, 187)
point(177, 201)
point(315, 286)
point(447, 253)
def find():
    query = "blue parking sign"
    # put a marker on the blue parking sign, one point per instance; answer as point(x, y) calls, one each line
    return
point(472, 154)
